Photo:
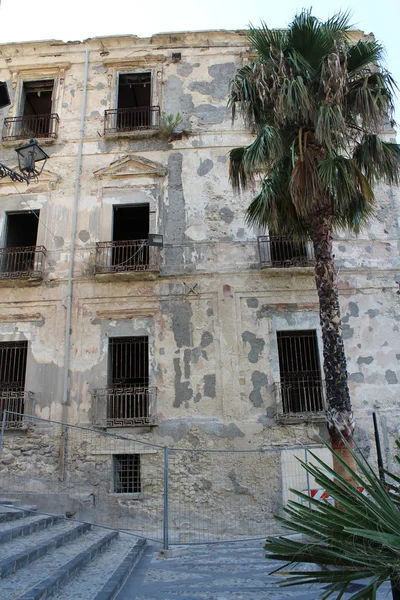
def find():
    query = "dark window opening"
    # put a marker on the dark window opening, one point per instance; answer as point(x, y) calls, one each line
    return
point(134, 90)
point(300, 372)
point(131, 230)
point(37, 97)
point(126, 474)
point(20, 242)
point(128, 378)
point(134, 101)
point(36, 108)
point(286, 251)
point(13, 357)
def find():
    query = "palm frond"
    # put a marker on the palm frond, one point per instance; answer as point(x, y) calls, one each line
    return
point(330, 126)
point(359, 535)
point(378, 160)
point(265, 41)
point(238, 175)
point(365, 53)
point(263, 153)
point(371, 97)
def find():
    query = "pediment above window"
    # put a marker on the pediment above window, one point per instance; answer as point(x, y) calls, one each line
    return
point(132, 166)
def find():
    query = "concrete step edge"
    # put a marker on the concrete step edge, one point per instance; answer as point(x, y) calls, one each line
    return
point(27, 529)
point(16, 513)
point(62, 575)
point(121, 574)
point(21, 559)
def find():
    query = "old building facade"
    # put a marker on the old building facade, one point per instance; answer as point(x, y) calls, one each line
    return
point(212, 340)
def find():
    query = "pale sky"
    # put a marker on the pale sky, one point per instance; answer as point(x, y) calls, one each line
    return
point(27, 20)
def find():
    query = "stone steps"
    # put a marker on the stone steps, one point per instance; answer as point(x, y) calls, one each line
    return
point(39, 554)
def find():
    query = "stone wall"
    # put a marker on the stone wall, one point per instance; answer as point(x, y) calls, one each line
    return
point(211, 314)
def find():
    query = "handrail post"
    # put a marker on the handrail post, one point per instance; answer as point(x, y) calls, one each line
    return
point(3, 427)
point(165, 513)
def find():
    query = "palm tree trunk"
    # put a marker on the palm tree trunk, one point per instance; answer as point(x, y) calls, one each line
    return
point(339, 413)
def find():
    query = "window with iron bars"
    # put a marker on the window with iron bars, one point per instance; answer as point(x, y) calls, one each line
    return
point(126, 474)
point(129, 375)
point(300, 372)
point(13, 357)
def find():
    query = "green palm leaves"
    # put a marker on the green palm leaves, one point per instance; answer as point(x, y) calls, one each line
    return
point(315, 104)
point(359, 536)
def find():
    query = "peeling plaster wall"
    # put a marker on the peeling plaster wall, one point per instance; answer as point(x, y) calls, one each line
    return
point(211, 315)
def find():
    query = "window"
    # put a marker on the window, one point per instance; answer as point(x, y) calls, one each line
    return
point(37, 97)
point(130, 233)
point(18, 256)
point(13, 357)
point(129, 380)
point(300, 373)
point(134, 107)
point(36, 117)
point(126, 474)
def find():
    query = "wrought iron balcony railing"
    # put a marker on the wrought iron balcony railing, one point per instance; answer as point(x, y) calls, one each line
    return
point(22, 262)
point(30, 126)
point(300, 396)
point(124, 256)
point(279, 251)
point(124, 406)
point(17, 403)
point(117, 120)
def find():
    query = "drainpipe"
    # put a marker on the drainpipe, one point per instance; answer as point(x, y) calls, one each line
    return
point(67, 350)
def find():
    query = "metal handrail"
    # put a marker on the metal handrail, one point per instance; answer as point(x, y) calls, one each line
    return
point(118, 120)
point(281, 251)
point(126, 255)
point(22, 262)
point(31, 126)
point(125, 406)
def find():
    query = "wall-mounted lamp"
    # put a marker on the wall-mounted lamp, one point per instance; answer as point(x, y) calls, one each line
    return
point(28, 156)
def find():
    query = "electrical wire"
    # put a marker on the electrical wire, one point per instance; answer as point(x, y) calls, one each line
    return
point(78, 258)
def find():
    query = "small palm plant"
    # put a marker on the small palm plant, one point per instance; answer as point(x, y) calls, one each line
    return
point(359, 536)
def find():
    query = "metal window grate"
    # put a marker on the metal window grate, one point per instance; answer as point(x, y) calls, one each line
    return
point(129, 381)
point(127, 479)
point(13, 365)
point(300, 372)
point(129, 361)
point(12, 380)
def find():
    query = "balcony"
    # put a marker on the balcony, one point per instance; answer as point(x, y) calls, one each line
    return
point(126, 256)
point(300, 398)
point(23, 262)
point(18, 402)
point(139, 118)
point(30, 126)
point(133, 406)
point(279, 251)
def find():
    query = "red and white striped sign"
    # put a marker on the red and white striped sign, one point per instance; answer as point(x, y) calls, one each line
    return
point(321, 494)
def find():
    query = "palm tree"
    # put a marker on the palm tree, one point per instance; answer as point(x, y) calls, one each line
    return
point(315, 103)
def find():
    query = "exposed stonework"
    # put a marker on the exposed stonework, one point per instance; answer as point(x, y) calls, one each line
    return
point(210, 314)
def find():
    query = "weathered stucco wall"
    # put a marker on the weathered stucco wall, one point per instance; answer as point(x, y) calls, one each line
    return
point(213, 352)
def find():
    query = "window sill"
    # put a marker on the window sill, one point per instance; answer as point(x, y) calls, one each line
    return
point(135, 133)
point(42, 141)
point(282, 271)
point(293, 418)
point(129, 496)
